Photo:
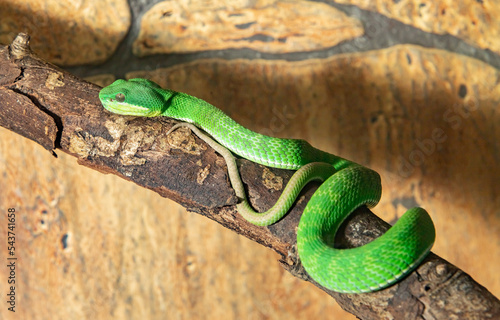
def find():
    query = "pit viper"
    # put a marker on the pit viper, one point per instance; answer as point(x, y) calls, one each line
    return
point(345, 186)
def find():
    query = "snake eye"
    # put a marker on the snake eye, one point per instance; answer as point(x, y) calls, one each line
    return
point(120, 97)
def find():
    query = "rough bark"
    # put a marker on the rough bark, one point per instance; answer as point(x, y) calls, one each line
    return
point(61, 112)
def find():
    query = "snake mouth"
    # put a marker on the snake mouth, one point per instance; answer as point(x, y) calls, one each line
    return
point(124, 108)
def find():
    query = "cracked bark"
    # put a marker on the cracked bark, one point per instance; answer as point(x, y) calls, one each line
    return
point(61, 112)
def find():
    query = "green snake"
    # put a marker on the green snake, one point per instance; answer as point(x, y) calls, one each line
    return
point(346, 186)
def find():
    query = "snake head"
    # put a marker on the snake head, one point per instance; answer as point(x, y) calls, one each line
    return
point(135, 97)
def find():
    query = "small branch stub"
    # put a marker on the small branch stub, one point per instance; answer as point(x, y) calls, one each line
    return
point(20, 47)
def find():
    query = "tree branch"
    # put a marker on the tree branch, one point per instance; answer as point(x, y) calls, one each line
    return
point(59, 111)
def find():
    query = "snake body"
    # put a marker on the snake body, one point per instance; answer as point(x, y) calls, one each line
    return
point(347, 186)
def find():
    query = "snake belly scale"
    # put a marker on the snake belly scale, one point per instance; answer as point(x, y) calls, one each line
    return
point(346, 186)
